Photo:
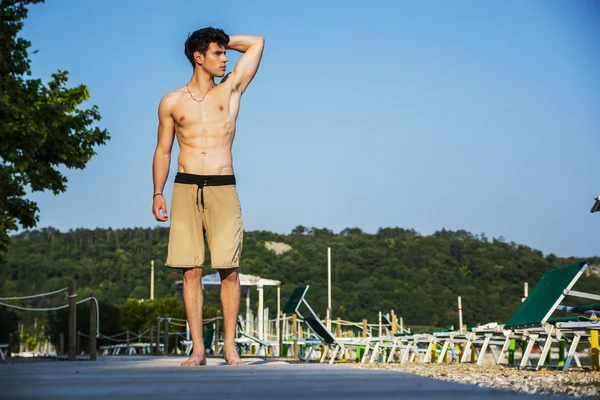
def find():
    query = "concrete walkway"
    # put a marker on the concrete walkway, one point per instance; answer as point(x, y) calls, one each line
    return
point(149, 378)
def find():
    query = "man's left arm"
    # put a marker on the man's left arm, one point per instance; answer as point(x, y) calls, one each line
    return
point(247, 65)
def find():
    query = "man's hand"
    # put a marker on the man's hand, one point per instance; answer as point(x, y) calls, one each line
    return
point(158, 205)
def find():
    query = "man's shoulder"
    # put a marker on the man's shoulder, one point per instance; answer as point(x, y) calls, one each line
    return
point(174, 95)
point(171, 98)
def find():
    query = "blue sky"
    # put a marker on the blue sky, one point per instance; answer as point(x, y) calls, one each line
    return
point(476, 115)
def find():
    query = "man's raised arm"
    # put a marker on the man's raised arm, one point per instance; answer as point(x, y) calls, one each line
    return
point(247, 65)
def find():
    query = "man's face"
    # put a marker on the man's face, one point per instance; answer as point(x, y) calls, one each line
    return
point(215, 60)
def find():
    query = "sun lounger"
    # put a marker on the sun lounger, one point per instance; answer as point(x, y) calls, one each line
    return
point(263, 345)
point(296, 301)
point(532, 321)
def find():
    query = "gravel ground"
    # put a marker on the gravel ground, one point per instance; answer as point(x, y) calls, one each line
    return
point(582, 384)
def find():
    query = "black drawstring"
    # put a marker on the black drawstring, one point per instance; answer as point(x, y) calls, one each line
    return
point(201, 191)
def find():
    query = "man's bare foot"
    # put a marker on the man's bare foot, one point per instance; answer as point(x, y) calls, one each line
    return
point(194, 361)
point(232, 357)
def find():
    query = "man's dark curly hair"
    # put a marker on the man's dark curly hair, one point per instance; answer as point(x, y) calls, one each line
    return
point(201, 39)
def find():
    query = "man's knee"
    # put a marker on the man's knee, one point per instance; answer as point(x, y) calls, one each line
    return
point(192, 275)
point(229, 275)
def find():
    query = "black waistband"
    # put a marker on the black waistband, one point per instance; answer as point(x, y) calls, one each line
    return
point(204, 180)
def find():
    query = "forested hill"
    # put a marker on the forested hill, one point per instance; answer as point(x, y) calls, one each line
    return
point(417, 276)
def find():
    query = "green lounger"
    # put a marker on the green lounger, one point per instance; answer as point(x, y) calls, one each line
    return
point(324, 336)
point(534, 314)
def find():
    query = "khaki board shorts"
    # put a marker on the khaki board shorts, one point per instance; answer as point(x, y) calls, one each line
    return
point(205, 203)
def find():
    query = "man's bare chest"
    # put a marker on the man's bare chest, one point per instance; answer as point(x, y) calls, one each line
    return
point(212, 108)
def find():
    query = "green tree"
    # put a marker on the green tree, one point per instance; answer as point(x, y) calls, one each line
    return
point(42, 126)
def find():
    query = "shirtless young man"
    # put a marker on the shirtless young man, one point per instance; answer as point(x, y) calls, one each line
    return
point(203, 115)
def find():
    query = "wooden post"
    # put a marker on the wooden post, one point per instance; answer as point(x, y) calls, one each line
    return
point(157, 348)
point(93, 328)
point(394, 324)
point(127, 338)
point(295, 335)
point(282, 316)
point(364, 331)
point(460, 318)
point(72, 321)
point(216, 342)
point(380, 327)
point(152, 279)
point(301, 346)
point(151, 338)
point(166, 334)
point(61, 344)
point(338, 328)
